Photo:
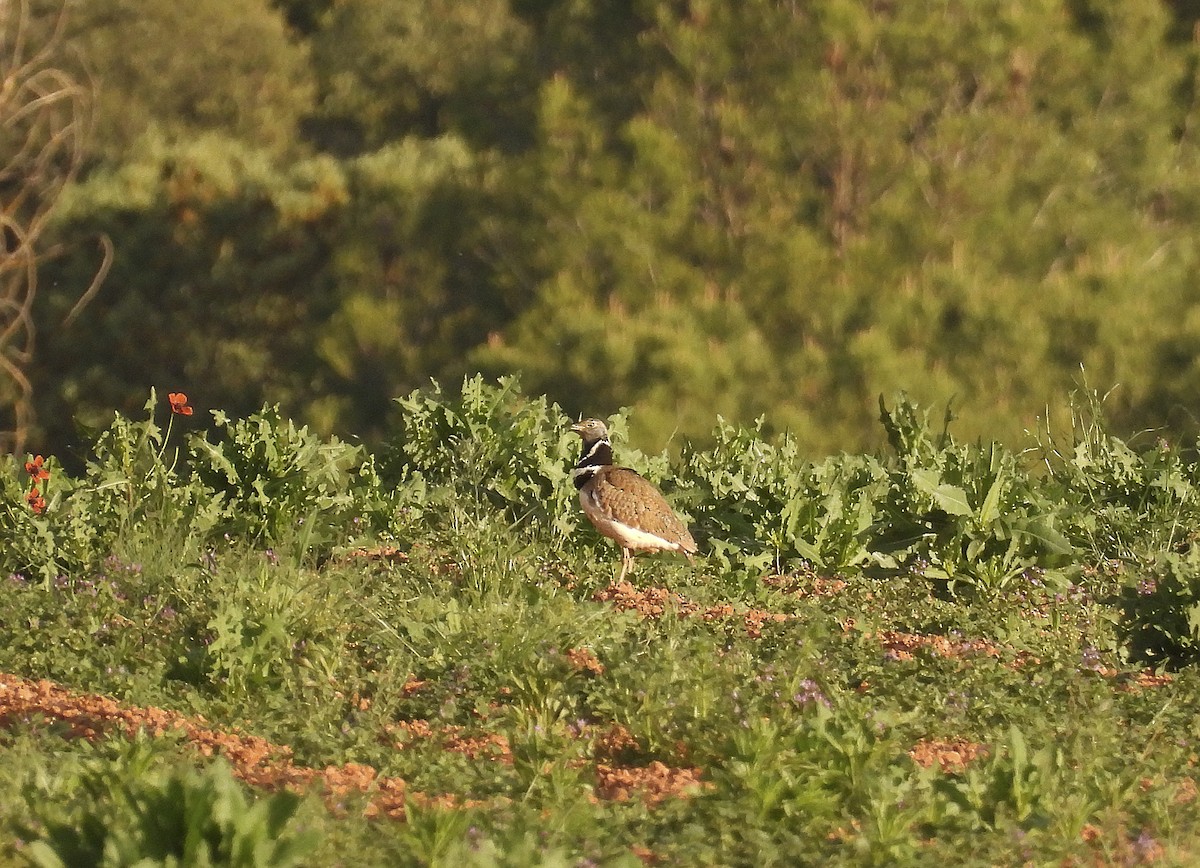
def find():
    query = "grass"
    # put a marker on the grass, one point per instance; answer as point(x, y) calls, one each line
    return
point(949, 653)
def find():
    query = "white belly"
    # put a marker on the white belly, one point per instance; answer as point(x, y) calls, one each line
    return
point(627, 537)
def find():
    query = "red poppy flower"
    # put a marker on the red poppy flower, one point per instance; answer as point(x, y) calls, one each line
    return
point(35, 469)
point(179, 403)
point(35, 500)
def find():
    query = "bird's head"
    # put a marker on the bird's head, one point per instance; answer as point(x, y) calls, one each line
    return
point(591, 430)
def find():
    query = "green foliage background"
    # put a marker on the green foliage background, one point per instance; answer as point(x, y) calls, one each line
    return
point(692, 208)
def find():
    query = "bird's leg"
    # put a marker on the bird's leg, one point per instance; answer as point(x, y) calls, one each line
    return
point(626, 563)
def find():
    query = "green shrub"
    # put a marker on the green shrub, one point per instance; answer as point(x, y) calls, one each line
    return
point(278, 482)
point(961, 513)
point(1122, 500)
point(130, 485)
point(945, 510)
point(760, 504)
point(488, 446)
point(1160, 608)
point(153, 817)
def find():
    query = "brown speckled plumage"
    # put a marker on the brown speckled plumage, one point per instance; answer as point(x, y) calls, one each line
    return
point(621, 504)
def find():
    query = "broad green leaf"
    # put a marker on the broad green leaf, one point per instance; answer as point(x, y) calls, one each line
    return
point(1042, 529)
point(949, 498)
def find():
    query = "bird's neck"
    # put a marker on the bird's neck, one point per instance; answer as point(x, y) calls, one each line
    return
point(595, 456)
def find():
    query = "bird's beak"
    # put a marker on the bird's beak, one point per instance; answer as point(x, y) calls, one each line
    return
point(577, 427)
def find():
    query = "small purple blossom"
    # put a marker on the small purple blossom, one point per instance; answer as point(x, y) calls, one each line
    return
point(1147, 847)
point(810, 693)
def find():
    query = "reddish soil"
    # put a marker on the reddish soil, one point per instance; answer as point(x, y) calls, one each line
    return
point(255, 760)
point(584, 660)
point(654, 602)
point(263, 764)
point(952, 756)
point(455, 739)
point(653, 783)
point(902, 646)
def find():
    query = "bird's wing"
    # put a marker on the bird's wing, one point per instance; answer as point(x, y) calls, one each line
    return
point(629, 498)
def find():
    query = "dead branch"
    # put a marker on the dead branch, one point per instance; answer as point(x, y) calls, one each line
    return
point(45, 121)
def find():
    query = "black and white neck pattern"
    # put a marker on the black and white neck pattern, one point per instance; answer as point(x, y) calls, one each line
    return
point(596, 455)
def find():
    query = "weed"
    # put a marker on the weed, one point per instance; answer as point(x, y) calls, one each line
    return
point(147, 815)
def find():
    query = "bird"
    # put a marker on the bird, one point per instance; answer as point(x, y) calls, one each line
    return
point(624, 506)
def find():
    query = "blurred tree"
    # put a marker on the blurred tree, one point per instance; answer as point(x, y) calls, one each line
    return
point(692, 208)
point(412, 285)
point(960, 199)
point(218, 280)
point(184, 68)
point(304, 16)
point(327, 287)
point(600, 48)
point(394, 68)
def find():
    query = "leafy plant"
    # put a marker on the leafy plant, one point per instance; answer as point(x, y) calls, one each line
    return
point(1160, 606)
point(253, 632)
point(131, 485)
point(149, 816)
point(488, 446)
point(959, 513)
point(277, 481)
point(1122, 501)
point(1016, 785)
point(760, 505)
